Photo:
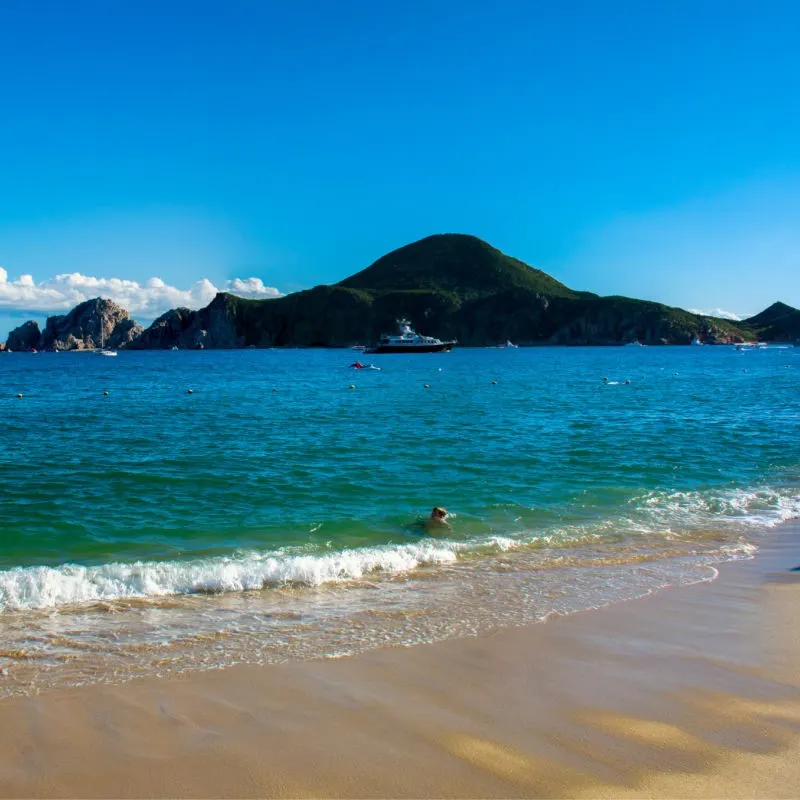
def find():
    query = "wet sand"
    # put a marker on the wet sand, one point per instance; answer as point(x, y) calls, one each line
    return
point(692, 692)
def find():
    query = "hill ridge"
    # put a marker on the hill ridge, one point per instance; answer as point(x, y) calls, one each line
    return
point(453, 286)
point(473, 268)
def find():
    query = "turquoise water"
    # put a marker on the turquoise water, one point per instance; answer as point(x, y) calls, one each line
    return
point(274, 512)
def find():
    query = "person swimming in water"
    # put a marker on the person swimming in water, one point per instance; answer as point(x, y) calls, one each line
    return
point(437, 519)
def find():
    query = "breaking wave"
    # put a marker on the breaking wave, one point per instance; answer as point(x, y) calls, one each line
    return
point(653, 515)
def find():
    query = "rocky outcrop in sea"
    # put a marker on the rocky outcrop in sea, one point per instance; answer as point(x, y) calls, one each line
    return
point(90, 325)
point(26, 337)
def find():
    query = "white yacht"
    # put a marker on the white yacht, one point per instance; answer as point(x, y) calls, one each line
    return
point(407, 340)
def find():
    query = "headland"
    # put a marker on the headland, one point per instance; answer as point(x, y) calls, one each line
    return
point(452, 286)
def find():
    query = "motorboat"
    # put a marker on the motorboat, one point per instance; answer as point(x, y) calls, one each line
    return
point(407, 340)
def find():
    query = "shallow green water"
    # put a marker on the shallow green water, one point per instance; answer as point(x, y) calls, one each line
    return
point(274, 475)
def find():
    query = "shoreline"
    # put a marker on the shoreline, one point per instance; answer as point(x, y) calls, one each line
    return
point(691, 691)
point(774, 344)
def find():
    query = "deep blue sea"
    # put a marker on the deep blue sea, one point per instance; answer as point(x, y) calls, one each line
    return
point(275, 512)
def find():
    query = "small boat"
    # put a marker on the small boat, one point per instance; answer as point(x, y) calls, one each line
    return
point(102, 351)
point(407, 340)
point(635, 343)
point(696, 341)
point(360, 347)
point(359, 365)
point(509, 345)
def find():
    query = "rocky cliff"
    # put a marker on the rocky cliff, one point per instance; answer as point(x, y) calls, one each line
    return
point(26, 337)
point(90, 325)
point(212, 327)
point(86, 327)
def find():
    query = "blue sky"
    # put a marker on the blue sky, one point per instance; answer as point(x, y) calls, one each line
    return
point(639, 148)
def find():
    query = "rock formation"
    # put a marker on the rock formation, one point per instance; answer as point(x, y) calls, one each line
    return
point(90, 325)
point(166, 332)
point(26, 337)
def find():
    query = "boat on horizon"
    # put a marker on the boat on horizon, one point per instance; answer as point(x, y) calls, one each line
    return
point(407, 340)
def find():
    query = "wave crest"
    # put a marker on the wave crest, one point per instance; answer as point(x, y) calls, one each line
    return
point(49, 587)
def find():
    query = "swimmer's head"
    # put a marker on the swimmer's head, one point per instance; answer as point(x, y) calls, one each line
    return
point(438, 513)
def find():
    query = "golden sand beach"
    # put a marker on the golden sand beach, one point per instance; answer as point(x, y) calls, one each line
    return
point(691, 692)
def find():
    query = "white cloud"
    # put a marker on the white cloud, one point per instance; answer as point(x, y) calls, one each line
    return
point(143, 300)
point(251, 287)
point(719, 312)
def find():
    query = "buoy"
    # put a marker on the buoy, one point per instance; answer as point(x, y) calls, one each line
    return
point(190, 391)
point(19, 394)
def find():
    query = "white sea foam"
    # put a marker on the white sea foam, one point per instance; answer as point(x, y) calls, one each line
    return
point(49, 587)
point(760, 508)
point(653, 513)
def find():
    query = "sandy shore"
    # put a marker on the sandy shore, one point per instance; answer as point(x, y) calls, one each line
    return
point(692, 692)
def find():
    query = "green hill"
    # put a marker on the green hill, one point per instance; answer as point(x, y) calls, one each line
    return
point(453, 262)
point(778, 323)
point(450, 286)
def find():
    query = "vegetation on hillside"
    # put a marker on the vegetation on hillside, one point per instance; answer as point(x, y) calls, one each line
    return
point(452, 286)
